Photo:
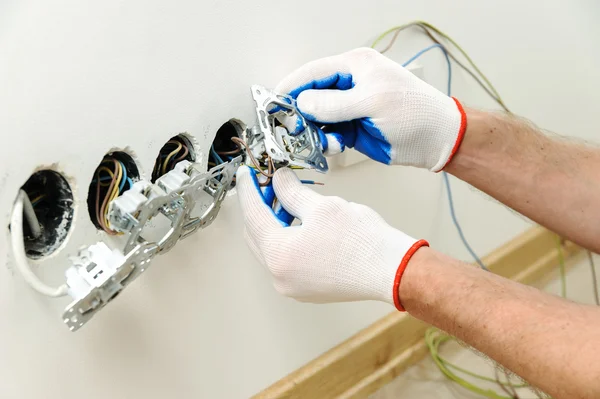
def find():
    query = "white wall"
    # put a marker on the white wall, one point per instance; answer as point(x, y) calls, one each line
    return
point(79, 78)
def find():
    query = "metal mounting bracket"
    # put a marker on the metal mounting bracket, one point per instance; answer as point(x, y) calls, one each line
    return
point(98, 273)
point(304, 149)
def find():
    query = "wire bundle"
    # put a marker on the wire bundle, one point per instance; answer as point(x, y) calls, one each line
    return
point(110, 181)
point(444, 174)
point(267, 168)
point(432, 32)
point(434, 338)
point(218, 157)
point(175, 150)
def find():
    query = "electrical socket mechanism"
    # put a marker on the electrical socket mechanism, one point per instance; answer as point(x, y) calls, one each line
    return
point(270, 138)
point(178, 186)
point(98, 273)
point(180, 191)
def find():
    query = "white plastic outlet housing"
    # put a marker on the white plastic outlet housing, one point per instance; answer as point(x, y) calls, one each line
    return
point(91, 269)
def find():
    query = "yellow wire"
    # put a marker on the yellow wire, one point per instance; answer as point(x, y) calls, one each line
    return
point(115, 192)
point(104, 169)
point(36, 199)
point(433, 339)
point(110, 173)
point(171, 155)
point(479, 376)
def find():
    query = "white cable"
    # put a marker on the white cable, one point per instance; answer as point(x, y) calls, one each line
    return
point(18, 249)
point(31, 217)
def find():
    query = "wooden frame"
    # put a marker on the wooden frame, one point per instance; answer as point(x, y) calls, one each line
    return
point(374, 356)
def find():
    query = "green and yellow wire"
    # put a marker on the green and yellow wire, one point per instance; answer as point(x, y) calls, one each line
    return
point(427, 27)
point(434, 338)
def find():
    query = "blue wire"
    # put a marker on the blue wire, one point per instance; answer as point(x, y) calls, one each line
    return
point(216, 156)
point(455, 220)
point(107, 178)
point(444, 174)
point(420, 53)
point(124, 179)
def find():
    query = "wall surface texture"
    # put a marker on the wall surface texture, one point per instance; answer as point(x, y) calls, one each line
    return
point(78, 79)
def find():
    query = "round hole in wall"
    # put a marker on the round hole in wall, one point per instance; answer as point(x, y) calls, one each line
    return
point(175, 150)
point(223, 149)
point(47, 227)
point(115, 174)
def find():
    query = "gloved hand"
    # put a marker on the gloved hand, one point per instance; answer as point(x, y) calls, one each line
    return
point(373, 104)
point(342, 251)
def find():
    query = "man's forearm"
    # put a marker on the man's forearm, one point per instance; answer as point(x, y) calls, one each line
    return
point(550, 342)
point(553, 182)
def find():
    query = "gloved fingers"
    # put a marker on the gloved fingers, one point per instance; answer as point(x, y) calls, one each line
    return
point(267, 192)
point(325, 107)
point(332, 106)
point(364, 136)
point(297, 199)
point(331, 143)
point(292, 123)
point(258, 215)
point(371, 142)
point(282, 214)
point(342, 135)
point(249, 238)
point(326, 73)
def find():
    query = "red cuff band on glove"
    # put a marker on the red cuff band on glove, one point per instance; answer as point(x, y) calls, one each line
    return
point(400, 271)
point(461, 131)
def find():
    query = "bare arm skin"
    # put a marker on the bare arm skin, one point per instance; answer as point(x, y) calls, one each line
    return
point(553, 182)
point(552, 343)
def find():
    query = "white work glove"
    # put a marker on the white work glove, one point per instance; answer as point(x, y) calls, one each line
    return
point(369, 102)
point(342, 251)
